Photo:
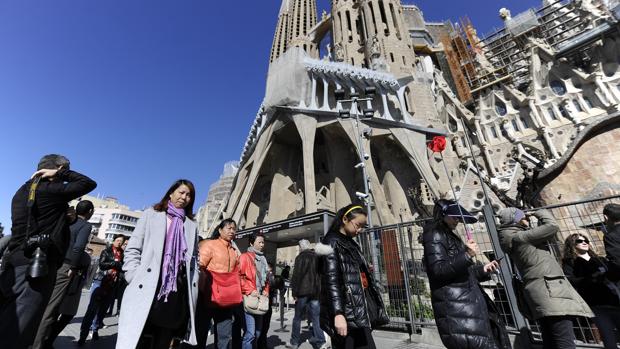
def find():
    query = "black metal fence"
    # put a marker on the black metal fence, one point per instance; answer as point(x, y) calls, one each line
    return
point(405, 283)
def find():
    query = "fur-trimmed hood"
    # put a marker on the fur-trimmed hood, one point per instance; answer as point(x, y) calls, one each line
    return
point(322, 249)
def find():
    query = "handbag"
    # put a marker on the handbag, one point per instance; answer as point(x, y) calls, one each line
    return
point(225, 288)
point(256, 304)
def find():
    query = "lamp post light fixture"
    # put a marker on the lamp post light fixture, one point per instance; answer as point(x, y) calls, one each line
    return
point(354, 114)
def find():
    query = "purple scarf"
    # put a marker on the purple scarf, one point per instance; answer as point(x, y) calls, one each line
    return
point(175, 248)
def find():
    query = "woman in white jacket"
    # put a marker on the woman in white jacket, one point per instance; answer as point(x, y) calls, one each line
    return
point(161, 268)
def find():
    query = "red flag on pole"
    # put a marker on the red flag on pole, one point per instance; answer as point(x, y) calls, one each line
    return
point(438, 144)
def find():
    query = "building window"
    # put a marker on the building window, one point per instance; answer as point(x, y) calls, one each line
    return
point(394, 20)
point(558, 87)
point(514, 125)
point(588, 102)
point(392, 57)
point(524, 122)
point(577, 106)
point(494, 131)
point(563, 111)
point(500, 108)
point(551, 113)
point(386, 29)
point(372, 15)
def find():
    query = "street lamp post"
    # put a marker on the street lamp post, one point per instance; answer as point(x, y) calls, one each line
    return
point(355, 116)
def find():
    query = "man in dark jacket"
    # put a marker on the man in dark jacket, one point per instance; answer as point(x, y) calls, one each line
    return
point(39, 229)
point(110, 268)
point(612, 239)
point(306, 288)
point(80, 233)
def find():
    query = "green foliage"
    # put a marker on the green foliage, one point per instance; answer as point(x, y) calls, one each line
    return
point(418, 286)
point(420, 310)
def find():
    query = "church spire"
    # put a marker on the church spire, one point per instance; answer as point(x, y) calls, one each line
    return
point(296, 19)
point(280, 38)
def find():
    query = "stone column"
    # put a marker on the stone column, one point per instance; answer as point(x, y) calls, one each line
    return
point(313, 94)
point(386, 108)
point(306, 126)
point(325, 94)
point(403, 106)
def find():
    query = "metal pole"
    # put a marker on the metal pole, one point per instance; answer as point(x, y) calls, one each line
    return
point(489, 220)
point(360, 146)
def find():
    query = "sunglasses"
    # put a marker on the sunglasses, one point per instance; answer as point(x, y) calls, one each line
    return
point(580, 241)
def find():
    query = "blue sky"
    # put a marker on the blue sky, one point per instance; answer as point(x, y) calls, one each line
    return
point(139, 93)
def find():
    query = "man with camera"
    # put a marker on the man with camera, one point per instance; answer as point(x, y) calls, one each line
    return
point(40, 239)
point(80, 234)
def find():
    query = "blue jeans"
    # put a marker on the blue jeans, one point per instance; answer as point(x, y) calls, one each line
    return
point(253, 326)
point(314, 309)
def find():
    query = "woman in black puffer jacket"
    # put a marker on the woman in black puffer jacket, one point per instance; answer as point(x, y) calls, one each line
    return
point(460, 306)
point(351, 305)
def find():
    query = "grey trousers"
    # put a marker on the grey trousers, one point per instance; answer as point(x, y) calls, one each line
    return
point(51, 311)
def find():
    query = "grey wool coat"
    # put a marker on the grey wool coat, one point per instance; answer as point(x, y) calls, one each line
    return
point(547, 291)
point(142, 267)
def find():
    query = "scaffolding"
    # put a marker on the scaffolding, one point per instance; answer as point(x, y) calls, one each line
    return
point(505, 54)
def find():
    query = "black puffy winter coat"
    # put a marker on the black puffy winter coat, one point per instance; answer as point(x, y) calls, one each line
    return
point(342, 293)
point(460, 307)
point(305, 281)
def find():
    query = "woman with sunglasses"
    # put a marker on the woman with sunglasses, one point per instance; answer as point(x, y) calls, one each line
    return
point(587, 273)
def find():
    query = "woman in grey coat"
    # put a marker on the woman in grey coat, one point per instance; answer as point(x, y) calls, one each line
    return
point(161, 270)
point(549, 295)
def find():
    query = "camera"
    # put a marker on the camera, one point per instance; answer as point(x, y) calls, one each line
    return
point(36, 248)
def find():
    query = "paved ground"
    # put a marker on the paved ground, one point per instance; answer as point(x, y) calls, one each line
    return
point(277, 337)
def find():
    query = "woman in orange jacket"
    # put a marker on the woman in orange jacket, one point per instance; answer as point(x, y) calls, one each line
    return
point(253, 273)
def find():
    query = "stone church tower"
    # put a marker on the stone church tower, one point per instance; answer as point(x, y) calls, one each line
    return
point(295, 20)
point(520, 115)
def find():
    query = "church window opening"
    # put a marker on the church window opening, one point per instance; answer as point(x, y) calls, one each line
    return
point(340, 25)
point(404, 61)
point(386, 29)
point(500, 108)
point(588, 102)
point(392, 57)
point(551, 113)
point(358, 27)
point(558, 87)
point(524, 122)
point(407, 96)
point(514, 125)
point(563, 111)
point(577, 106)
point(372, 15)
point(394, 20)
point(494, 132)
point(364, 23)
point(349, 28)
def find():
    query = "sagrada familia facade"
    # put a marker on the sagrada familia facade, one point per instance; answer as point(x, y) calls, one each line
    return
point(530, 111)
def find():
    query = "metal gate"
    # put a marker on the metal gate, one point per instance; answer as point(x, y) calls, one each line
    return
point(405, 285)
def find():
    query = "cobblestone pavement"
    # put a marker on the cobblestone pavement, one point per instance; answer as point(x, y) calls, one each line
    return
point(278, 338)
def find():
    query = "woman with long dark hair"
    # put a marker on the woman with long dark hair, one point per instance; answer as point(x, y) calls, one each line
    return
point(587, 272)
point(460, 306)
point(161, 270)
point(351, 305)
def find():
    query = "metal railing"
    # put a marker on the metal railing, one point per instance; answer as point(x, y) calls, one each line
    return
point(405, 286)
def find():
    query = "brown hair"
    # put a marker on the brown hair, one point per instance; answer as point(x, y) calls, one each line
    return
point(569, 248)
point(162, 205)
